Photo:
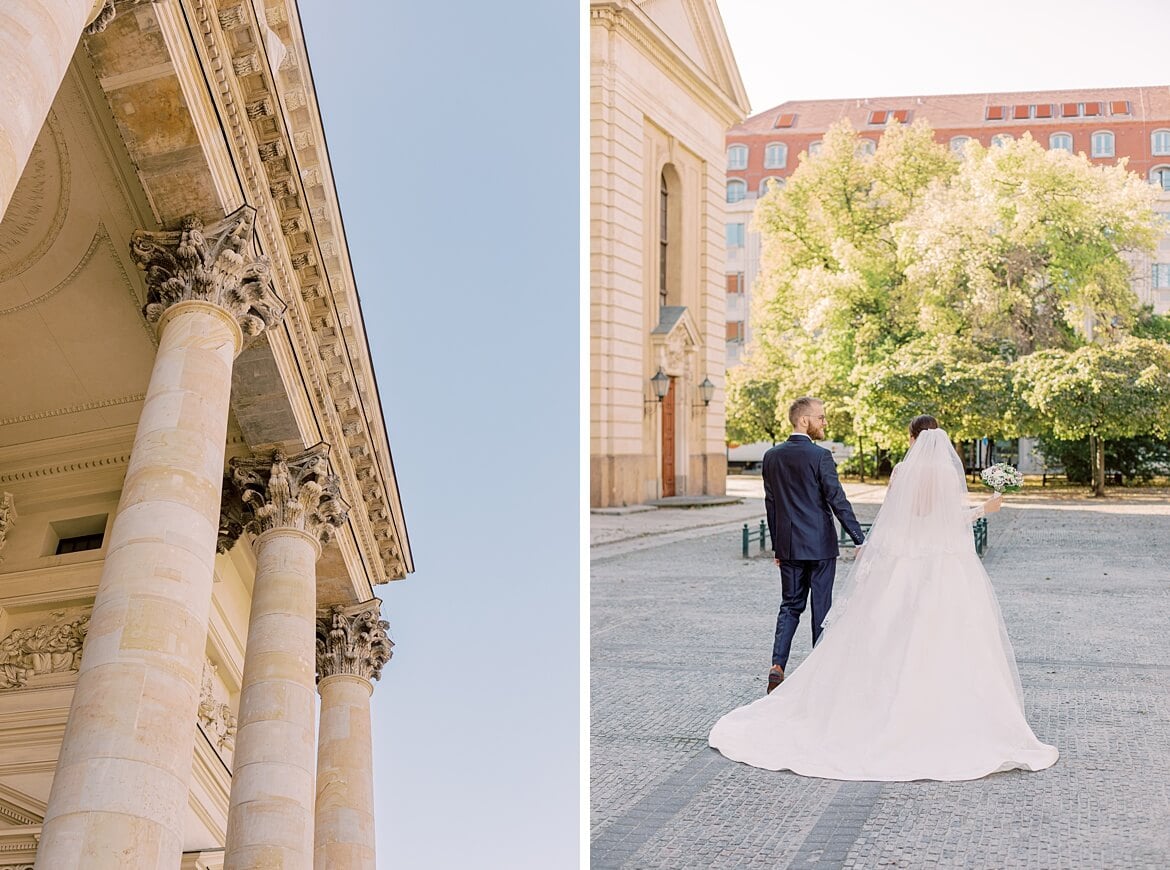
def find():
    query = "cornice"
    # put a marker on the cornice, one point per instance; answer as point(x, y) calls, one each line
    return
point(632, 23)
point(294, 205)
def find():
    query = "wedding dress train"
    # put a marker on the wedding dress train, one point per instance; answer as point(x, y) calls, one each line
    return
point(914, 676)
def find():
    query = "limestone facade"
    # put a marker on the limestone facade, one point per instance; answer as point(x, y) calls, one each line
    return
point(664, 88)
point(194, 467)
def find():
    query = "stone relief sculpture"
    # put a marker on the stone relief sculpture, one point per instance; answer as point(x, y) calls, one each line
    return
point(53, 648)
point(7, 518)
point(215, 717)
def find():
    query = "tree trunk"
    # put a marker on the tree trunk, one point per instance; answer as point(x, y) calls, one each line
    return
point(861, 458)
point(1097, 448)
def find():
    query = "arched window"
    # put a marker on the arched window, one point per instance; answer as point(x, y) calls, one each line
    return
point(670, 250)
point(1102, 144)
point(1060, 142)
point(736, 190)
point(1000, 139)
point(1160, 175)
point(866, 146)
point(770, 181)
point(775, 155)
point(958, 143)
point(1160, 142)
point(737, 157)
point(663, 238)
point(814, 148)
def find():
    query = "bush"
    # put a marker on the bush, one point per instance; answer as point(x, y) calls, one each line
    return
point(1140, 458)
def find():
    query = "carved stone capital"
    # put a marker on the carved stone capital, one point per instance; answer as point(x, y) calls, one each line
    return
point(7, 518)
point(352, 640)
point(294, 492)
point(107, 12)
point(212, 264)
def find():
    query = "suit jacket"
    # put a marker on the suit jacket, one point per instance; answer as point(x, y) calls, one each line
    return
point(801, 493)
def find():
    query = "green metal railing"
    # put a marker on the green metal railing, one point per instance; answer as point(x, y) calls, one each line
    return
point(760, 534)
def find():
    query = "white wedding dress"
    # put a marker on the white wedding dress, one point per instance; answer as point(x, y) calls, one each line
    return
point(914, 676)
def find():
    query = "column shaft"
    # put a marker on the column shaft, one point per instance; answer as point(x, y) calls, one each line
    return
point(37, 41)
point(119, 796)
point(344, 829)
point(270, 810)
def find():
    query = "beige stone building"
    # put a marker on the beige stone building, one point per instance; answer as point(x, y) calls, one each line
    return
point(663, 90)
point(197, 499)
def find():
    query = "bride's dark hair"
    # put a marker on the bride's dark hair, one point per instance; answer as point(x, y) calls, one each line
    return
point(921, 423)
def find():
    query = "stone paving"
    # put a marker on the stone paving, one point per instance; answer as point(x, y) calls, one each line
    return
point(681, 629)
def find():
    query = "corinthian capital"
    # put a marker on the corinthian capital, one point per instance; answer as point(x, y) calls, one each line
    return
point(106, 11)
point(7, 516)
point(294, 492)
point(352, 640)
point(212, 264)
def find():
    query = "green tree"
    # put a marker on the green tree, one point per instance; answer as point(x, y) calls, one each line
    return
point(907, 280)
point(1025, 248)
point(751, 406)
point(1099, 391)
point(972, 396)
point(833, 290)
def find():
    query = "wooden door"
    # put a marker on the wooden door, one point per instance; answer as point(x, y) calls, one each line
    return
point(668, 441)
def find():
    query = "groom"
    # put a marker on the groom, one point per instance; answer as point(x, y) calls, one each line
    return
point(800, 490)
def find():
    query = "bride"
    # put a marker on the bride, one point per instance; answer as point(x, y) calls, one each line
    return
point(915, 677)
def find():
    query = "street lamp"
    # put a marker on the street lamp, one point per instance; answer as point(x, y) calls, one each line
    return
point(661, 384)
point(706, 391)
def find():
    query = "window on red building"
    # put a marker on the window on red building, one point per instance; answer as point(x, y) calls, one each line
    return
point(1102, 144)
point(1119, 107)
point(1021, 113)
point(1092, 110)
point(1044, 110)
point(878, 117)
point(995, 113)
point(1070, 110)
point(786, 120)
point(901, 116)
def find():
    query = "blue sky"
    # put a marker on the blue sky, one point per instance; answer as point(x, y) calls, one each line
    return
point(453, 134)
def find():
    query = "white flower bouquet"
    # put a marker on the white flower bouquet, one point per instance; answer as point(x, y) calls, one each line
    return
point(1002, 477)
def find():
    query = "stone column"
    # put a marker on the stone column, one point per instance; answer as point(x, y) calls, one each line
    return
point(119, 796)
point(352, 647)
point(294, 507)
point(37, 41)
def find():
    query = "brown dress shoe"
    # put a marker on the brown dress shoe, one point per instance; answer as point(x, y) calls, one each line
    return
point(775, 677)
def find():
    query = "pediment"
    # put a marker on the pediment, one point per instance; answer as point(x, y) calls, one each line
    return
point(18, 810)
point(696, 29)
point(675, 339)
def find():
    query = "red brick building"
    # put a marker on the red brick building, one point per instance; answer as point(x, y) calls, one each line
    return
point(1107, 124)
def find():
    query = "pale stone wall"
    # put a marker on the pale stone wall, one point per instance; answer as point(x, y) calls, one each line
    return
point(652, 105)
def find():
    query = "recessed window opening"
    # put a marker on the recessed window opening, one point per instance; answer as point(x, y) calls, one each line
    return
point(75, 535)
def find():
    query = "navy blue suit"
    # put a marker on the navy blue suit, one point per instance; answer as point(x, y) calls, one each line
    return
point(801, 495)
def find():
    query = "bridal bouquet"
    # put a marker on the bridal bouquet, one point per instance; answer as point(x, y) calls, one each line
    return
point(1002, 477)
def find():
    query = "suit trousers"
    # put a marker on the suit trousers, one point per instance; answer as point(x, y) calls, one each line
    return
point(797, 580)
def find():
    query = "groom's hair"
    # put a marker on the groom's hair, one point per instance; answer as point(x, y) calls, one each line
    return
point(921, 423)
point(801, 407)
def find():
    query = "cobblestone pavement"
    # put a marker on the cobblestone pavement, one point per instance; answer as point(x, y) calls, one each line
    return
point(681, 630)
